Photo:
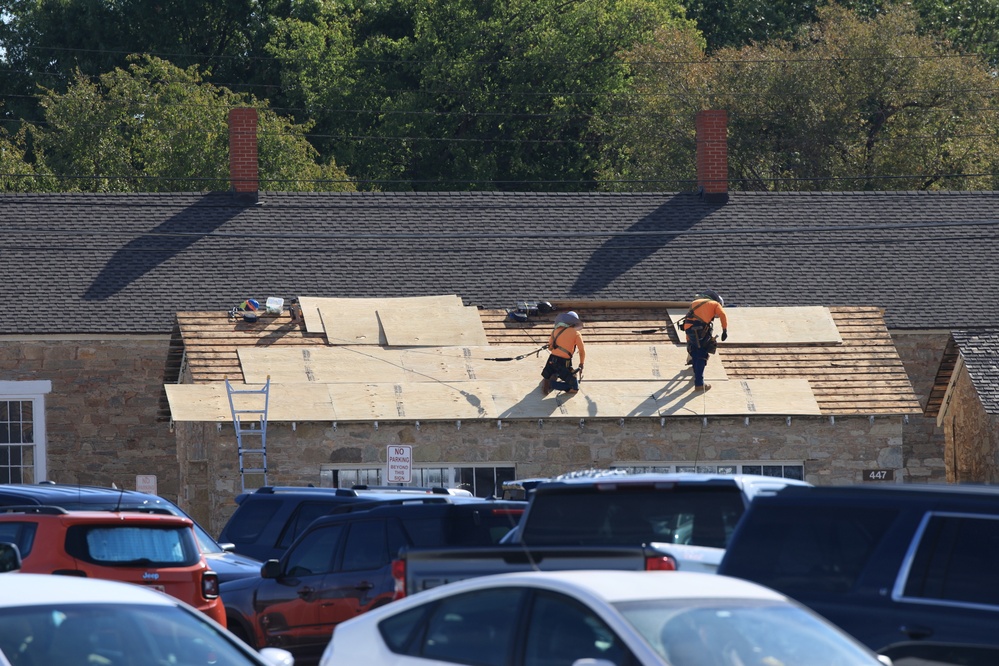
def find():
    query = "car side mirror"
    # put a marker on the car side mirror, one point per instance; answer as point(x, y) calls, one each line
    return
point(270, 569)
point(10, 557)
point(228, 547)
point(885, 659)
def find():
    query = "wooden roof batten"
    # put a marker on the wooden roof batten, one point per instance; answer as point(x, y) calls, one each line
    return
point(860, 376)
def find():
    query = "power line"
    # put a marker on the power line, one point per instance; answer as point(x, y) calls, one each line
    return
point(920, 178)
point(505, 62)
point(511, 235)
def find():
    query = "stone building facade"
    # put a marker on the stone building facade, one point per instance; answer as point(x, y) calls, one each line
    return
point(830, 451)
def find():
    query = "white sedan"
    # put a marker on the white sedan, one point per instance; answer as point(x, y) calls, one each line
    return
point(68, 621)
point(604, 618)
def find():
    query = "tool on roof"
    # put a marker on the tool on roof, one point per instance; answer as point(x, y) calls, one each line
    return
point(248, 310)
point(526, 309)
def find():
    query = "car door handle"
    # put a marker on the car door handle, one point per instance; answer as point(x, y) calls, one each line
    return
point(305, 592)
point(915, 631)
point(364, 585)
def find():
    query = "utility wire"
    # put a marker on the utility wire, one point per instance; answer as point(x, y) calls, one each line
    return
point(553, 62)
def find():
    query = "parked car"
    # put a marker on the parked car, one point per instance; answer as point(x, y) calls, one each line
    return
point(227, 564)
point(65, 621)
point(341, 566)
point(618, 618)
point(909, 570)
point(268, 519)
point(689, 516)
point(157, 551)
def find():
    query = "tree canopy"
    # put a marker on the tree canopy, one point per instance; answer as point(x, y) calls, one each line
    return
point(156, 127)
point(497, 94)
point(851, 103)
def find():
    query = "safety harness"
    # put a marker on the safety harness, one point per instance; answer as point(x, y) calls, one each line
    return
point(702, 330)
point(553, 345)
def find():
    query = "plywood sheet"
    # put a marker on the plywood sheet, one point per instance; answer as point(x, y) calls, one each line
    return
point(413, 324)
point(288, 402)
point(774, 326)
point(353, 320)
point(520, 399)
point(747, 397)
point(322, 365)
point(456, 364)
point(412, 402)
point(641, 362)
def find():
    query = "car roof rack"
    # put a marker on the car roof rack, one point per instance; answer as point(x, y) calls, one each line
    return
point(42, 509)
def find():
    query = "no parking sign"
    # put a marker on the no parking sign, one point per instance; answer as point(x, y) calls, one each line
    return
point(400, 463)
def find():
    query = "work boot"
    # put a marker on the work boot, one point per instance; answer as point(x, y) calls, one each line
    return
point(703, 387)
point(546, 386)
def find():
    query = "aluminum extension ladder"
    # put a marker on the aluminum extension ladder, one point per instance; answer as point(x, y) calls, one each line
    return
point(252, 459)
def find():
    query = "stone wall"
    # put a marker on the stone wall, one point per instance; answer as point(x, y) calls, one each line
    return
point(921, 353)
point(972, 436)
point(103, 428)
point(832, 452)
point(101, 416)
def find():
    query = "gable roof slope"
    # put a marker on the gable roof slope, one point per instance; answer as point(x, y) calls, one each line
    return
point(126, 263)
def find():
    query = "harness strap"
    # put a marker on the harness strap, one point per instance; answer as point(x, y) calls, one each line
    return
point(553, 345)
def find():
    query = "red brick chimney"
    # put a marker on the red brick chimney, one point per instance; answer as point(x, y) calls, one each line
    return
point(712, 155)
point(243, 151)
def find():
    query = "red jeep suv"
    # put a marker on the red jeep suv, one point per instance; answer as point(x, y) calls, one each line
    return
point(151, 550)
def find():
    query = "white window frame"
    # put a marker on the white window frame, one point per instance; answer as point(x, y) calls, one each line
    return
point(708, 466)
point(450, 470)
point(33, 391)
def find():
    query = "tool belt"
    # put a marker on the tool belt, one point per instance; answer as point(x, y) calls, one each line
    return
point(701, 335)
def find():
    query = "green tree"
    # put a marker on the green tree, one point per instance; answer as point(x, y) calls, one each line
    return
point(45, 42)
point(853, 103)
point(156, 127)
point(464, 94)
point(971, 25)
point(19, 173)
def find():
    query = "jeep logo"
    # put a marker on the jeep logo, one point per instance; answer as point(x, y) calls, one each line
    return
point(149, 575)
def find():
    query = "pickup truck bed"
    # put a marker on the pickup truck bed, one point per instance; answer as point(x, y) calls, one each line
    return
point(424, 568)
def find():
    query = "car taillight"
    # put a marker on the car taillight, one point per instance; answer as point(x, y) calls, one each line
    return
point(210, 585)
point(399, 576)
point(660, 563)
point(507, 512)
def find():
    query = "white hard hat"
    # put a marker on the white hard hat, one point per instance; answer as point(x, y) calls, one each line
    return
point(570, 318)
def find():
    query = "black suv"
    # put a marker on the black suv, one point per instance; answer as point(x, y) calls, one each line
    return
point(341, 566)
point(270, 518)
point(910, 570)
point(227, 564)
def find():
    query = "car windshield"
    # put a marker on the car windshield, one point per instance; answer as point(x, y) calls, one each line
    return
point(683, 631)
point(111, 633)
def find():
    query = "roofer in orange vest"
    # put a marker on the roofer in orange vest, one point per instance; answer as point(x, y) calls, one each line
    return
point(564, 341)
point(697, 324)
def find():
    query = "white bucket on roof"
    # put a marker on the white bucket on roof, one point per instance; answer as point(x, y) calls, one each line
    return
point(274, 305)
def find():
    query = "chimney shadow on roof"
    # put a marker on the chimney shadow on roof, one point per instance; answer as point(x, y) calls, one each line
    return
point(641, 240)
point(150, 249)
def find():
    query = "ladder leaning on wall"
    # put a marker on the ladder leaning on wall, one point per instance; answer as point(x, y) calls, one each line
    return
point(244, 402)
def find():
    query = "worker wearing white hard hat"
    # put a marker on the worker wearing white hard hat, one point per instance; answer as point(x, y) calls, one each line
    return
point(563, 343)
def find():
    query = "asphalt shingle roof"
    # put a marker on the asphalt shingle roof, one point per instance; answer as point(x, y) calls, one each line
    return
point(980, 351)
point(126, 263)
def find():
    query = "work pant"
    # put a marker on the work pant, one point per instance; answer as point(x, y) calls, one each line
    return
point(698, 350)
point(559, 371)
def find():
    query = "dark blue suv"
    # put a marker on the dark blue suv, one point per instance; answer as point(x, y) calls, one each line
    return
point(910, 570)
point(227, 564)
point(268, 519)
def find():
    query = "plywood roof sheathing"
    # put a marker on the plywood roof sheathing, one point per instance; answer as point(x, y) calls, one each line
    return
point(774, 326)
point(410, 325)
